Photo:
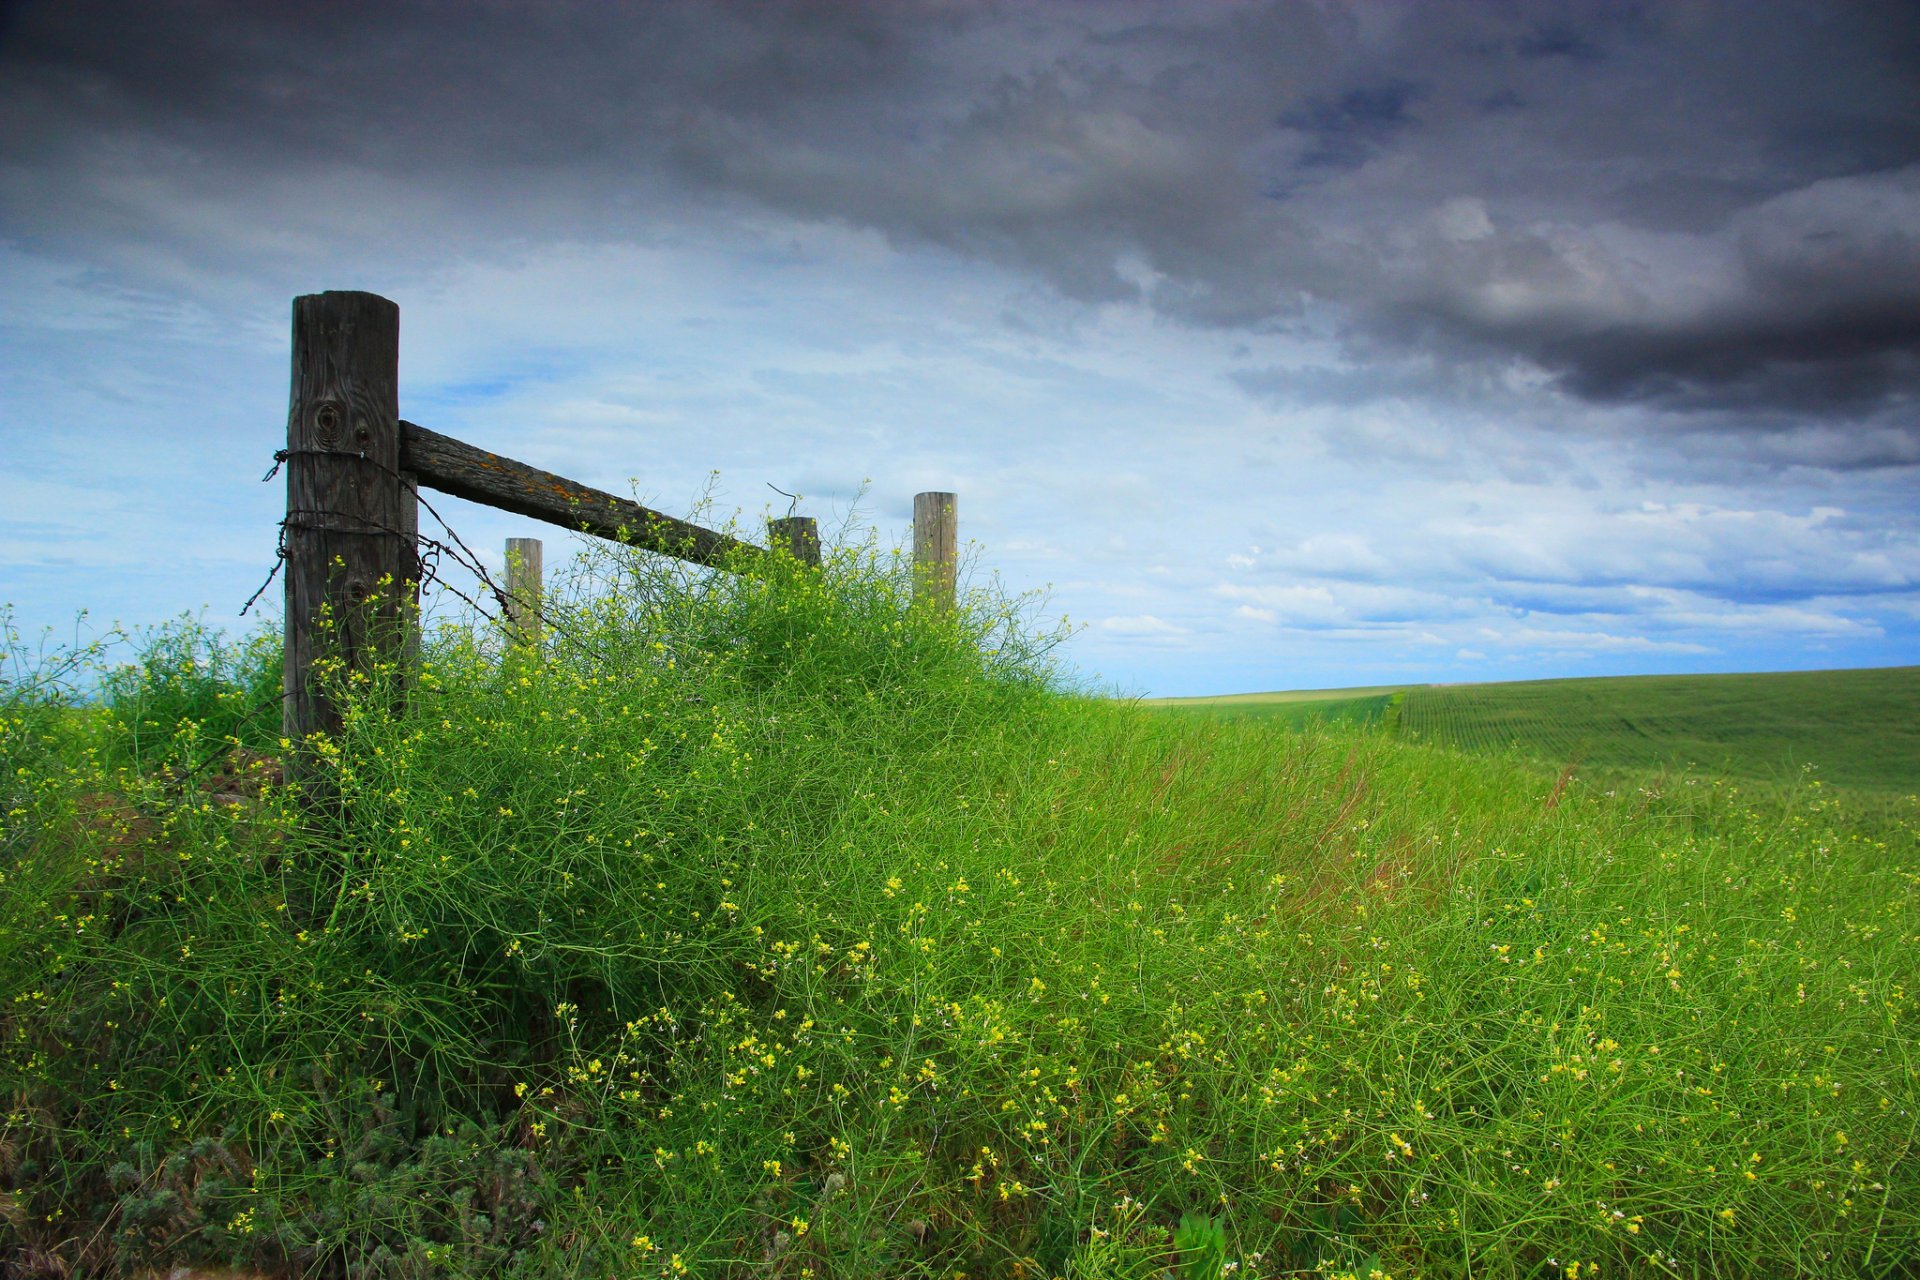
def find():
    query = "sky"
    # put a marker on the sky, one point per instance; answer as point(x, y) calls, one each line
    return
point(1283, 345)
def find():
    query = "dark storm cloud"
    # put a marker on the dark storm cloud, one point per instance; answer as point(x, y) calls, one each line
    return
point(1558, 40)
point(1859, 358)
point(1704, 209)
point(1804, 304)
point(420, 84)
point(1350, 129)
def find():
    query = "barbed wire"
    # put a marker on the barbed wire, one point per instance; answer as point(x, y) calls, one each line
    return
point(428, 552)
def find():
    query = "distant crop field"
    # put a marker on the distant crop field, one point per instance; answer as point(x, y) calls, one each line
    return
point(1852, 728)
point(1359, 707)
point(1857, 729)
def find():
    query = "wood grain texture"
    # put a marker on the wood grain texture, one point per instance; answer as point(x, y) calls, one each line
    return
point(525, 579)
point(800, 535)
point(455, 467)
point(936, 542)
point(352, 565)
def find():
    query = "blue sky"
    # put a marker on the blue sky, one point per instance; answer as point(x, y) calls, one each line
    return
point(1288, 345)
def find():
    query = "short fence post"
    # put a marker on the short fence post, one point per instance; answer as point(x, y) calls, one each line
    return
point(351, 571)
point(936, 527)
point(524, 579)
point(800, 535)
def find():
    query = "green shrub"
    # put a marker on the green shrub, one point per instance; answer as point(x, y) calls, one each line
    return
point(189, 694)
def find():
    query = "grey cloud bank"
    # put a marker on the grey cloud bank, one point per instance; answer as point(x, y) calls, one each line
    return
point(1304, 343)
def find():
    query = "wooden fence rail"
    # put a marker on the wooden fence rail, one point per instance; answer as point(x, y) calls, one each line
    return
point(439, 462)
point(354, 469)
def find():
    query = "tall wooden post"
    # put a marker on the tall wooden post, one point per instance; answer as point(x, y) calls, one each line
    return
point(524, 583)
point(936, 527)
point(351, 569)
point(800, 535)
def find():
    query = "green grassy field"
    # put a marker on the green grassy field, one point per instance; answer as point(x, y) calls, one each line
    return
point(1359, 707)
point(1856, 728)
point(770, 927)
point(1850, 728)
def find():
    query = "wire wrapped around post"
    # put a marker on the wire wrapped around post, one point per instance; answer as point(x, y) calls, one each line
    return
point(351, 561)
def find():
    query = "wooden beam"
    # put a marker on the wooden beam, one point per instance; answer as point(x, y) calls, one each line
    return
point(350, 555)
point(455, 467)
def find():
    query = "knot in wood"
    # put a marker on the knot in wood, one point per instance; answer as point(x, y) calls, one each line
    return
point(326, 423)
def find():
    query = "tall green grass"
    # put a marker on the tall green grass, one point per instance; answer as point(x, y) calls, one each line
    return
point(1342, 708)
point(769, 925)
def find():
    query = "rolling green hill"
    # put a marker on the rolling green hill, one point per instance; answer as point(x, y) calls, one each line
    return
point(1296, 710)
point(773, 927)
point(1856, 728)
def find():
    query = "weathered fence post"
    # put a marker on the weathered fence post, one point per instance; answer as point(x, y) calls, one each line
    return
point(935, 547)
point(524, 579)
point(351, 569)
point(800, 535)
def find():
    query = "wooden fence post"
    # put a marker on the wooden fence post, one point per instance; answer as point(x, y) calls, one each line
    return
point(351, 570)
point(524, 585)
point(800, 535)
point(936, 528)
